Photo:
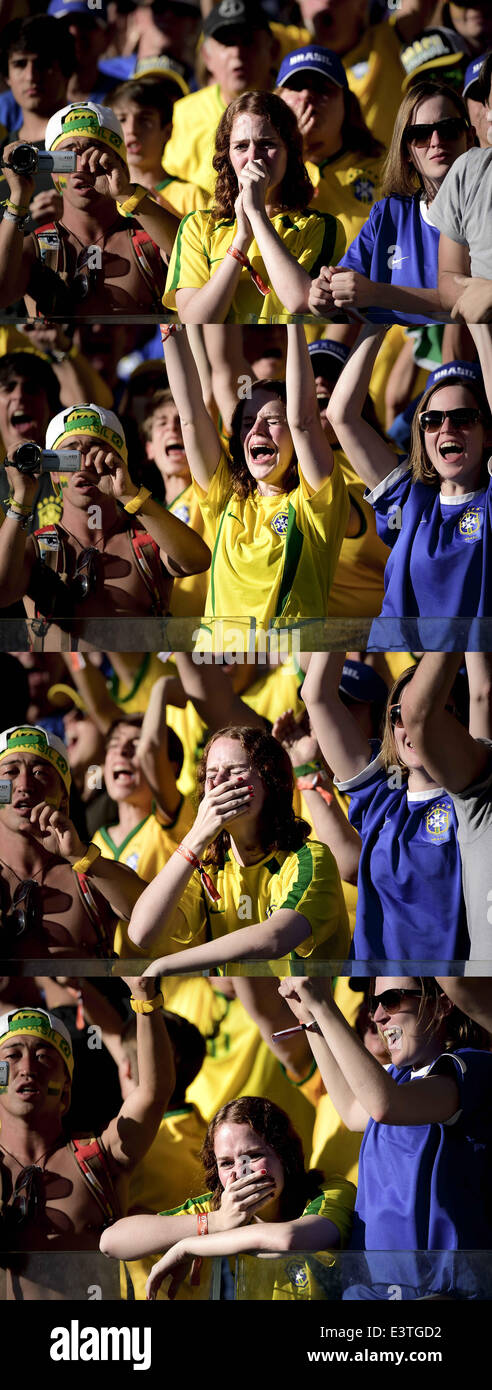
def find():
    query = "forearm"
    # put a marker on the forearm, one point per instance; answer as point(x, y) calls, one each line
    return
point(266, 1237)
point(153, 753)
point(91, 684)
point(134, 1237)
point(371, 456)
point(155, 908)
point(479, 671)
point(176, 540)
point(12, 279)
point(224, 344)
point(155, 1061)
point(449, 290)
point(406, 298)
point(200, 436)
point(12, 561)
point(367, 1080)
point(118, 884)
point(424, 698)
point(353, 1115)
point(343, 745)
point(211, 303)
point(271, 1014)
point(160, 224)
point(334, 830)
point(291, 283)
point(262, 941)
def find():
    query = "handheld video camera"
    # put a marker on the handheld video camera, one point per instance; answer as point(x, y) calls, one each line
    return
point(31, 458)
point(5, 791)
point(27, 160)
point(4, 1073)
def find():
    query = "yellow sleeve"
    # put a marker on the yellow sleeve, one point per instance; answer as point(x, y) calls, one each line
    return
point(309, 883)
point(190, 919)
point(323, 515)
point(335, 1202)
point(213, 501)
point(189, 267)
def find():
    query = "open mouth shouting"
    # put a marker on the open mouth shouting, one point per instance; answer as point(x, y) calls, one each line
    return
point(262, 453)
point(23, 423)
point(393, 1038)
point(450, 450)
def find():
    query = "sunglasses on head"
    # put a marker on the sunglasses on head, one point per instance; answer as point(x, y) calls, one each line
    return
point(390, 999)
point(466, 415)
point(450, 128)
point(28, 1198)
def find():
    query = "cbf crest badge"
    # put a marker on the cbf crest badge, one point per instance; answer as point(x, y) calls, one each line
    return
point(183, 513)
point(363, 189)
point(279, 523)
point(438, 822)
point(470, 524)
point(297, 1273)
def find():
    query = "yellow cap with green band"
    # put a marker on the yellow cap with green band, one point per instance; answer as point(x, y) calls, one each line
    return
point(88, 419)
point(38, 1023)
point(31, 738)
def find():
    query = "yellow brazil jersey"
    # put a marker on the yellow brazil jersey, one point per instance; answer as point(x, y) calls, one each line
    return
point(346, 185)
point(238, 1062)
point(170, 1170)
point(274, 558)
point(313, 239)
point(293, 1276)
point(182, 197)
point(190, 149)
point(375, 74)
point(304, 880)
point(146, 850)
point(358, 585)
point(276, 691)
point(189, 594)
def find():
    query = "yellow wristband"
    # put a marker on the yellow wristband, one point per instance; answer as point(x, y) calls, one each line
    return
point(128, 208)
point(147, 1006)
point(83, 865)
point(138, 501)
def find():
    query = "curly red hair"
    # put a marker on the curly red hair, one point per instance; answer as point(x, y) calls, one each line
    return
point(279, 828)
point(296, 189)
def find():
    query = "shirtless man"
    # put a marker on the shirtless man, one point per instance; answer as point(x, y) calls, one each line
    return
point(96, 260)
point(57, 896)
point(47, 1202)
point(92, 564)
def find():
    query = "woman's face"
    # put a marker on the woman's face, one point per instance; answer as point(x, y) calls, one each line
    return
point(404, 747)
point(266, 438)
point(254, 137)
point(456, 451)
point(410, 1040)
point(232, 1142)
point(433, 159)
point(229, 761)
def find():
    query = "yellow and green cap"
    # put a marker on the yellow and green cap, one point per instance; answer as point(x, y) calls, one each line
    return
point(87, 419)
point(31, 738)
point(38, 1023)
point(90, 120)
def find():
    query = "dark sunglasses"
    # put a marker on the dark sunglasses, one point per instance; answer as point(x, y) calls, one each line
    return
point(25, 912)
point(450, 128)
point(28, 1198)
point(391, 999)
point(85, 577)
point(431, 420)
point(85, 277)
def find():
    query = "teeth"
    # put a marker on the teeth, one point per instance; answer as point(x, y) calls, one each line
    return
point(450, 449)
point(393, 1036)
point(261, 451)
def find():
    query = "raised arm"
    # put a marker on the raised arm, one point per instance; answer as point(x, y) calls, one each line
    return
point(433, 1099)
point(16, 258)
point(482, 337)
point(261, 999)
point(448, 751)
point(330, 824)
point(352, 1112)
point(228, 365)
point(129, 1136)
point(200, 438)
point(342, 743)
point(213, 695)
point(153, 753)
point(313, 452)
point(472, 995)
point(371, 457)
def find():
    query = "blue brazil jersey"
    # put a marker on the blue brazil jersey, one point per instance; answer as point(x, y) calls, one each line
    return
point(427, 1188)
point(409, 904)
point(396, 246)
point(441, 551)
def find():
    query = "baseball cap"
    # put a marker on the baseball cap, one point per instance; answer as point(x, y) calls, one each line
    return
point(458, 371)
point(60, 8)
point(361, 682)
point(326, 352)
point(313, 59)
point(436, 47)
point(472, 74)
point(163, 66)
point(32, 738)
point(235, 14)
point(89, 119)
point(87, 419)
point(38, 1023)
